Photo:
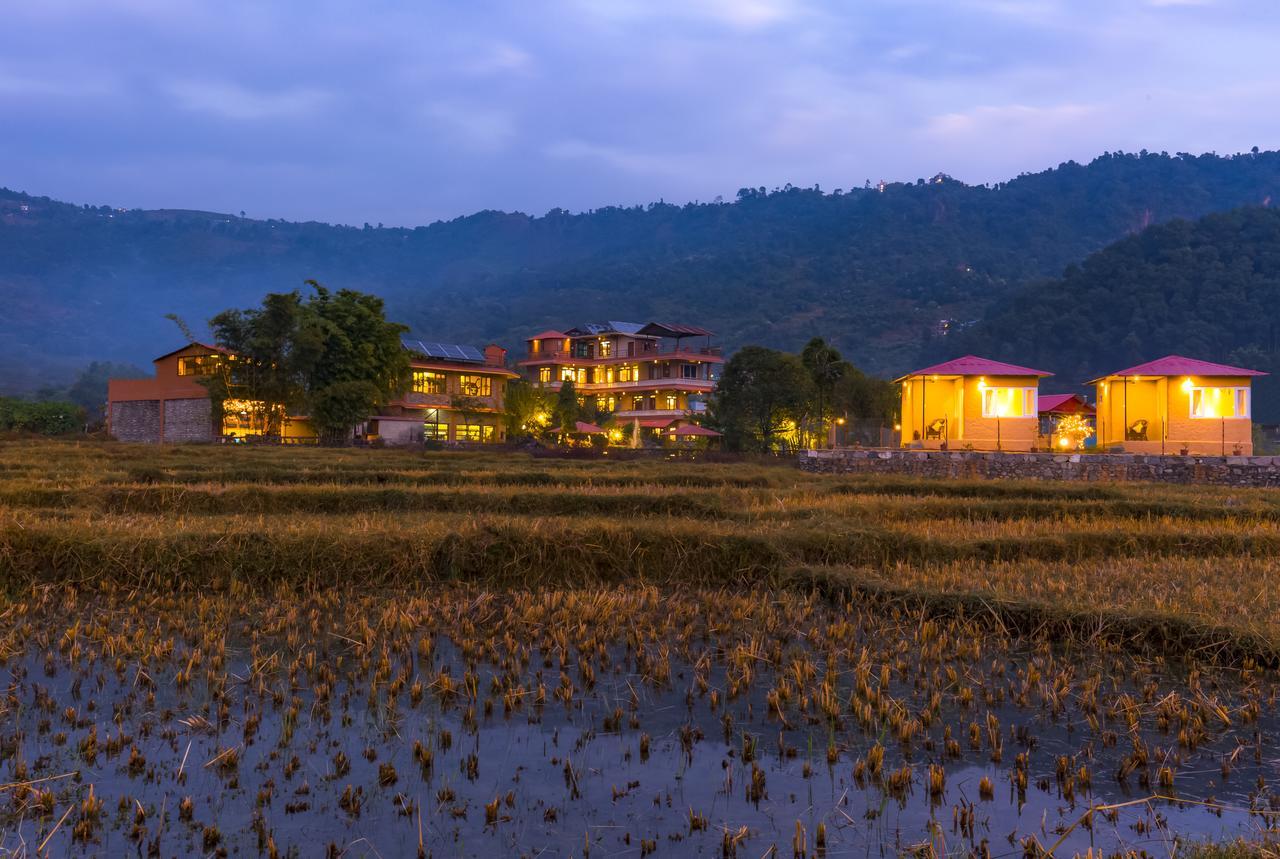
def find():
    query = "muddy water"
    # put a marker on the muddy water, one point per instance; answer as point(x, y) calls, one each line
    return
point(573, 779)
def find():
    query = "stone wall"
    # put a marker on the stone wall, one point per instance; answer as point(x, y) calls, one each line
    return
point(136, 420)
point(188, 420)
point(1225, 471)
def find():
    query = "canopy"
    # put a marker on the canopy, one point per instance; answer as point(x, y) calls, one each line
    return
point(972, 365)
point(582, 427)
point(1177, 365)
point(694, 429)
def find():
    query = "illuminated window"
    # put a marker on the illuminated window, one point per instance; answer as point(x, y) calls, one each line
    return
point(475, 386)
point(582, 375)
point(671, 401)
point(428, 382)
point(566, 374)
point(626, 373)
point(435, 432)
point(199, 365)
point(535, 346)
point(544, 374)
point(606, 348)
point(1009, 402)
point(637, 403)
point(1219, 402)
point(472, 432)
point(601, 403)
point(612, 403)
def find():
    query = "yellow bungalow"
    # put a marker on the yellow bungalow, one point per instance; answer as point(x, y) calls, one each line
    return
point(972, 403)
point(1176, 405)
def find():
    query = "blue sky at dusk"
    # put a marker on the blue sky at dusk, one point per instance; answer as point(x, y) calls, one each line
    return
point(409, 112)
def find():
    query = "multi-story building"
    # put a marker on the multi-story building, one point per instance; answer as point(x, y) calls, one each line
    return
point(455, 395)
point(645, 374)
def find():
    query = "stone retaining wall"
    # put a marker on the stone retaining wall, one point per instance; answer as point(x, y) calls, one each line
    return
point(1220, 470)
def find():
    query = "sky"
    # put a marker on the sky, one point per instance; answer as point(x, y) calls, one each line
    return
point(408, 112)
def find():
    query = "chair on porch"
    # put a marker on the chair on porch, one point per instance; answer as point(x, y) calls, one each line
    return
point(937, 429)
point(1137, 431)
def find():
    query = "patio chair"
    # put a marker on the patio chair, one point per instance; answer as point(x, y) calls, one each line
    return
point(1137, 431)
point(937, 429)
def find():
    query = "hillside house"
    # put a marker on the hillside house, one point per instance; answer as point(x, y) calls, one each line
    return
point(455, 396)
point(971, 402)
point(646, 375)
point(174, 405)
point(1176, 404)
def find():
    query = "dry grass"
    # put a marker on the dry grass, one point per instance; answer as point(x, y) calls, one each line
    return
point(1190, 567)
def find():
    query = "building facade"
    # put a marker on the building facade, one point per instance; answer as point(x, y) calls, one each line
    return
point(1175, 404)
point(455, 396)
point(971, 402)
point(654, 376)
point(174, 406)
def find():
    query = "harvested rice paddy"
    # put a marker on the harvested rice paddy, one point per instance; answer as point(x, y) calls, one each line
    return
point(377, 653)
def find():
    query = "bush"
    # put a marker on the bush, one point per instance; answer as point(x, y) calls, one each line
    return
point(44, 418)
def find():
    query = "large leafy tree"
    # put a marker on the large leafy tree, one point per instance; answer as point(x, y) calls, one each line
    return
point(761, 397)
point(825, 367)
point(334, 356)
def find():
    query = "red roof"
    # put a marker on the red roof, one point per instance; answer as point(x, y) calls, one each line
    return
point(547, 335)
point(972, 365)
point(582, 427)
point(694, 429)
point(1176, 365)
point(655, 423)
point(1069, 403)
point(208, 346)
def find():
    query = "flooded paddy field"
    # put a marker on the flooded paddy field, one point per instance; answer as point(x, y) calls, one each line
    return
point(371, 653)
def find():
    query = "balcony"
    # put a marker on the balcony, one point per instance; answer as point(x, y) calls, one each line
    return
point(693, 353)
point(672, 384)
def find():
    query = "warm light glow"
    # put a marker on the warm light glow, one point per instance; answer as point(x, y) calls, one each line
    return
point(897, 427)
point(1064, 442)
point(840, 421)
point(542, 417)
point(1186, 384)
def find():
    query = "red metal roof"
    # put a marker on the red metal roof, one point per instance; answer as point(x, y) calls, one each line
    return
point(1177, 365)
point(972, 365)
point(664, 329)
point(582, 427)
point(655, 423)
point(547, 335)
point(1064, 403)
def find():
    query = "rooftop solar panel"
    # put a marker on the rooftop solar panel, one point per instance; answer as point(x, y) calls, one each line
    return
point(445, 351)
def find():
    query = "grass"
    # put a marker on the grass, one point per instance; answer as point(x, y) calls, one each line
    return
point(1188, 570)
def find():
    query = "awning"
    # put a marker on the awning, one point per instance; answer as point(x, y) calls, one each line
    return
point(583, 428)
point(656, 423)
point(694, 429)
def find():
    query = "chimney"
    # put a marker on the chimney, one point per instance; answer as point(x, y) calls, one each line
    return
point(495, 355)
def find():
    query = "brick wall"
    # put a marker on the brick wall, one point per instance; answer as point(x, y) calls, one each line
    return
point(1225, 471)
point(136, 420)
point(188, 420)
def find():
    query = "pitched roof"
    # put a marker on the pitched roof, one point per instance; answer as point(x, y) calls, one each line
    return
point(208, 346)
point(1064, 403)
point(549, 334)
point(581, 427)
point(594, 328)
point(694, 429)
point(665, 329)
point(1177, 365)
point(444, 351)
point(972, 365)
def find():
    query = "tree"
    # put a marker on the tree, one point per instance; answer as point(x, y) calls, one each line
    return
point(525, 409)
point(269, 370)
point(89, 390)
point(566, 410)
point(761, 397)
point(825, 368)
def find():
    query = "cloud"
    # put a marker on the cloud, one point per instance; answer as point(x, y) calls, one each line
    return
point(613, 156)
point(235, 102)
point(992, 121)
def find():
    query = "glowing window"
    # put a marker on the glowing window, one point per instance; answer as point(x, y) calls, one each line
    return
point(476, 386)
point(544, 374)
point(1009, 403)
point(671, 401)
point(198, 365)
point(1219, 402)
point(428, 382)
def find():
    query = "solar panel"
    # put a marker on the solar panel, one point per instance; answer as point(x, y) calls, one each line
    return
point(445, 351)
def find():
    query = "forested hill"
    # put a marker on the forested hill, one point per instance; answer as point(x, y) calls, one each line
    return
point(874, 271)
point(1208, 289)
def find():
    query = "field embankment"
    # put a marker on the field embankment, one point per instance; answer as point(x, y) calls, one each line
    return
point(1179, 568)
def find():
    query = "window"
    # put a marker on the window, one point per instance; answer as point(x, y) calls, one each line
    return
point(606, 348)
point(428, 382)
point(628, 373)
point(637, 403)
point(671, 402)
point(1009, 402)
point(666, 371)
point(544, 374)
point(476, 386)
point(689, 371)
point(469, 432)
point(1219, 402)
point(566, 374)
point(582, 375)
point(199, 365)
point(600, 403)
point(535, 346)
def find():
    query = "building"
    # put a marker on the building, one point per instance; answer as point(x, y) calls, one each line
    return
point(1177, 405)
point(971, 402)
point(455, 396)
point(644, 374)
point(174, 405)
point(1054, 408)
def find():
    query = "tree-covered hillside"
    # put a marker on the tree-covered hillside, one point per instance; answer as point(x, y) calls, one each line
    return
point(872, 271)
point(1207, 289)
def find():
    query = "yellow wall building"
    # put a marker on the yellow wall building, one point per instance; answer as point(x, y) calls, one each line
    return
point(971, 403)
point(1176, 404)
